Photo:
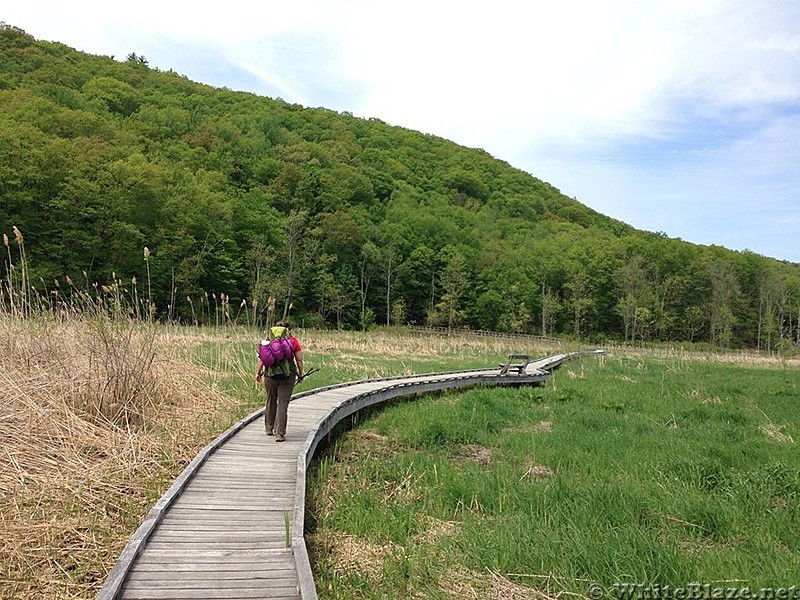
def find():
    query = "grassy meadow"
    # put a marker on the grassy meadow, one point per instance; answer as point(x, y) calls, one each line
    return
point(646, 467)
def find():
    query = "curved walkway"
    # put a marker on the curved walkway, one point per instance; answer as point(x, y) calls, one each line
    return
point(231, 525)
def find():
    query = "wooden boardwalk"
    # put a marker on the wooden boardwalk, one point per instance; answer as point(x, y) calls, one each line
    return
point(231, 526)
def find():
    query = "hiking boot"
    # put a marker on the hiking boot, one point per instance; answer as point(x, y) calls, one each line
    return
point(280, 438)
point(270, 432)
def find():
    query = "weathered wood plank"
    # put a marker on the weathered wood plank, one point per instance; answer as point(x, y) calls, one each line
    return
point(270, 504)
point(201, 555)
point(191, 546)
point(203, 571)
point(220, 488)
point(186, 513)
point(210, 535)
point(285, 593)
point(195, 583)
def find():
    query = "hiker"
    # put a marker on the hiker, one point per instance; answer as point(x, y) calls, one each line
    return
point(281, 379)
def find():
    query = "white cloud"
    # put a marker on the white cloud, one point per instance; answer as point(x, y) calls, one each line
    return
point(532, 69)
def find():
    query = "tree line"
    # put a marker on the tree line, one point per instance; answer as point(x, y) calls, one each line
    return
point(119, 173)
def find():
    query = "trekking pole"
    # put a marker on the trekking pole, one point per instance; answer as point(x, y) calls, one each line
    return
point(306, 374)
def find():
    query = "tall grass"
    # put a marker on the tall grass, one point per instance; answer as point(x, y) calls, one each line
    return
point(625, 470)
point(100, 411)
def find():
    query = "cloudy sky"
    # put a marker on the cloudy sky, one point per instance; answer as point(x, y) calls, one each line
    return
point(679, 116)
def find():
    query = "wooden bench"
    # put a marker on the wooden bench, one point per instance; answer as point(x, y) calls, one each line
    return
point(517, 363)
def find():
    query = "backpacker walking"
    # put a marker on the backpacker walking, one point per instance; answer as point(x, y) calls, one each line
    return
point(282, 374)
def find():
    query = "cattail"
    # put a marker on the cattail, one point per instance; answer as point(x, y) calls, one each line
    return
point(146, 253)
point(5, 240)
point(18, 235)
point(133, 280)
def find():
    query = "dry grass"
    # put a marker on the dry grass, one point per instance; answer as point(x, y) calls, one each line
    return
point(389, 343)
point(473, 453)
point(543, 427)
point(434, 530)
point(462, 583)
point(775, 432)
point(536, 472)
point(97, 419)
point(357, 556)
point(742, 358)
point(414, 353)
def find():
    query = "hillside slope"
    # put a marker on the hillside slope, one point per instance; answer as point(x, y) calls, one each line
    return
point(240, 198)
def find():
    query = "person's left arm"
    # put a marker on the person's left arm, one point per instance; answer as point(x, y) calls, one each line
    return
point(298, 360)
point(259, 370)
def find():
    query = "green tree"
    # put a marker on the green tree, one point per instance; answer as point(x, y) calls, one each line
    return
point(368, 262)
point(298, 254)
point(454, 278)
point(418, 274)
point(580, 297)
point(551, 304)
point(636, 295)
point(389, 260)
point(724, 290)
point(398, 312)
point(115, 95)
point(342, 235)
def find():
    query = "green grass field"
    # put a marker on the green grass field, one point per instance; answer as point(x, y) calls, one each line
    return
point(621, 470)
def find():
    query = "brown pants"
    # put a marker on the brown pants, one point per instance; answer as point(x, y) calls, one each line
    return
point(279, 391)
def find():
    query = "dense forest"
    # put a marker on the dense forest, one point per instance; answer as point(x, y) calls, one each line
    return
point(196, 201)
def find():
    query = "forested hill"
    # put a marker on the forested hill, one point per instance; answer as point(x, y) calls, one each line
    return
point(238, 198)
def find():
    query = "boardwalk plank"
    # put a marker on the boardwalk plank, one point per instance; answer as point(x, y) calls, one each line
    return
point(210, 535)
point(208, 556)
point(195, 583)
point(284, 593)
point(202, 571)
point(206, 544)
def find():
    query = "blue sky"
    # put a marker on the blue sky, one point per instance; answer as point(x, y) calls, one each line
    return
point(679, 116)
